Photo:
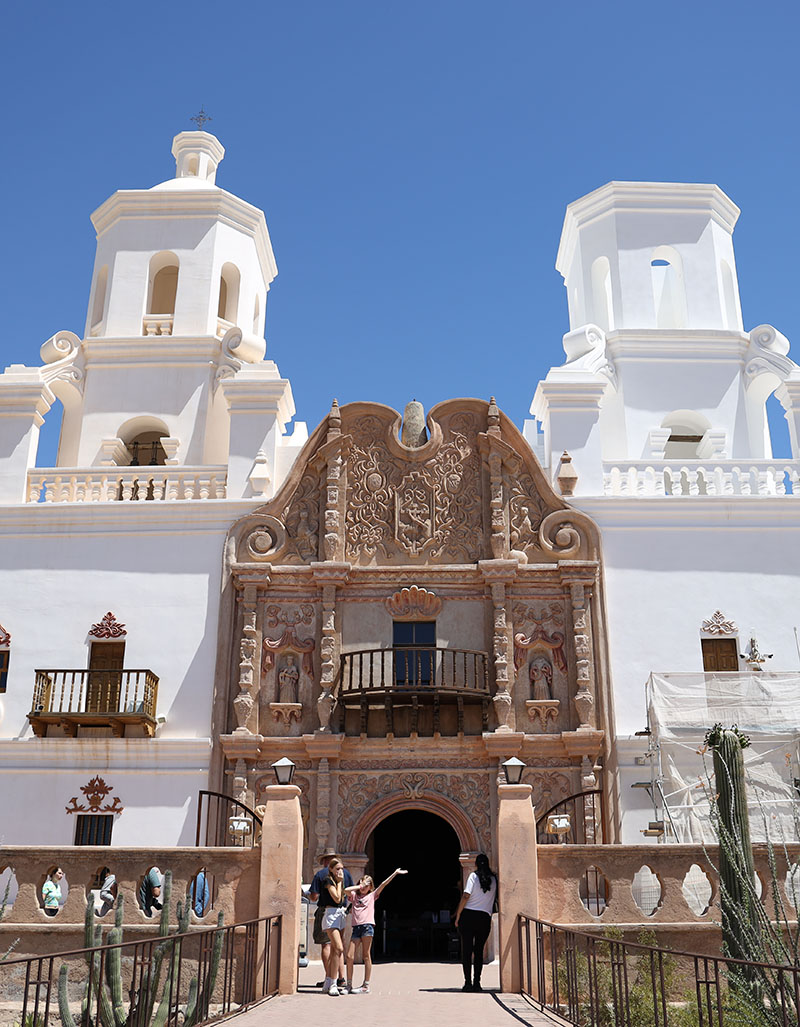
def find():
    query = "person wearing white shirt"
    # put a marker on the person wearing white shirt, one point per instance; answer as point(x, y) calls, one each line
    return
point(474, 920)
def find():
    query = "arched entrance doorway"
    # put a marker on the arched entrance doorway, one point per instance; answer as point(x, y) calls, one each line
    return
point(415, 913)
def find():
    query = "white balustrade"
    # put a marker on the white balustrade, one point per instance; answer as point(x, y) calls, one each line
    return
point(112, 484)
point(698, 478)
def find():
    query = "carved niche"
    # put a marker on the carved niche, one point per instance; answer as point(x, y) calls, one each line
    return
point(414, 507)
point(540, 653)
point(290, 657)
point(301, 517)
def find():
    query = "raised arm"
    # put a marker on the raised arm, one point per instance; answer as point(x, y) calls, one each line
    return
point(391, 877)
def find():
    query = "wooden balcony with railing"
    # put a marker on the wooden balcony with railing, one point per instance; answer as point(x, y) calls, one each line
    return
point(118, 698)
point(414, 690)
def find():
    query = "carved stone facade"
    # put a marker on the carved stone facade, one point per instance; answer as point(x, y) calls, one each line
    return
point(462, 535)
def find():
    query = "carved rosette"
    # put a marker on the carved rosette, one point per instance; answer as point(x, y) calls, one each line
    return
point(413, 603)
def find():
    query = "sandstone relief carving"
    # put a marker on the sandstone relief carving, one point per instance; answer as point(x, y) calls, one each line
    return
point(413, 603)
point(301, 518)
point(357, 792)
point(431, 509)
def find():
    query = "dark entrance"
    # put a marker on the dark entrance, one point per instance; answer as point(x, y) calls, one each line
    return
point(414, 915)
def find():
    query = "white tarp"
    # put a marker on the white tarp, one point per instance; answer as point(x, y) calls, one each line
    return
point(682, 707)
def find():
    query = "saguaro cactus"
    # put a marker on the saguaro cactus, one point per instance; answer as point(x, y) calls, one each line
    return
point(740, 921)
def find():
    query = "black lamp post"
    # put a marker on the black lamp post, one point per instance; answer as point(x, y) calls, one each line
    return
point(284, 771)
point(513, 770)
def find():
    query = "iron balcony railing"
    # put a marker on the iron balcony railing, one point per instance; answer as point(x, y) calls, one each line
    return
point(414, 676)
point(114, 696)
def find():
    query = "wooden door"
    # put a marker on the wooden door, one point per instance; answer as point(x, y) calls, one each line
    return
point(105, 677)
point(720, 654)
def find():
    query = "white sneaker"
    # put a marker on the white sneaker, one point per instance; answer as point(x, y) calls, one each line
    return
point(363, 990)
point(333, 990)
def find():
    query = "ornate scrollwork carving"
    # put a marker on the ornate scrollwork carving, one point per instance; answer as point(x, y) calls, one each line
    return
point(301, 517)
point(717, 624)
point(558, 534)
point(411, 506)
point(266, 540)
point(108, 627)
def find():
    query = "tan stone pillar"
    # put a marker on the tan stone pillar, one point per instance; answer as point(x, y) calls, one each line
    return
point(517, 873)
point(281, 873)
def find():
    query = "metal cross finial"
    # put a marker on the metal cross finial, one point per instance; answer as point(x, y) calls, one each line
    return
point(201, 118)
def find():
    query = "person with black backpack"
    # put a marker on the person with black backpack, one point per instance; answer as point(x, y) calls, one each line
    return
point(474, 920)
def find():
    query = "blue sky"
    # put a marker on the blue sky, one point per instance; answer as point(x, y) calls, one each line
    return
point(414, 161)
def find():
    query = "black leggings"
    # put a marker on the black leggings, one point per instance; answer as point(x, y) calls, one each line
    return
point(474, 927)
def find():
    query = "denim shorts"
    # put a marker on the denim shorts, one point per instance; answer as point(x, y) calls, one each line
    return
point(334, 919)
point(364, 930)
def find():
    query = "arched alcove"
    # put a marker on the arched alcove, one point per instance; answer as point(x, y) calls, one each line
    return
point(602, 298)
point(686, 431)
point(142, 437)
point(99, 299)
point(162, 287)
point(228, 305)
point(669, 291)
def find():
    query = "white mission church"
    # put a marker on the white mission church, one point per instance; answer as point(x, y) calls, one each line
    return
point(588, 592)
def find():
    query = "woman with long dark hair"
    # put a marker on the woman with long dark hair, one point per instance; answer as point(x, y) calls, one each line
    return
point(474, 920)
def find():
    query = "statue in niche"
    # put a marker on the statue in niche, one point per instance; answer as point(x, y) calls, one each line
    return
point(288, 680)
point(540, 672)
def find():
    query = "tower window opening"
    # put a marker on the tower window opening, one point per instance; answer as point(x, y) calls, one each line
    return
point(146, 450)
point(228, 305)
point(669, 293)
point(191, 168)
point(163, 288)
point(99, 302)
point(256, 315)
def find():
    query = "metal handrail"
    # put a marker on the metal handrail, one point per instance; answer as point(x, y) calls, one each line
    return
point(589, 980)
point(247, 957)
point(541, 821)
point(226, 803)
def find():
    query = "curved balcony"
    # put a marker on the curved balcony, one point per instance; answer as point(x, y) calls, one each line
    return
point(414, 690)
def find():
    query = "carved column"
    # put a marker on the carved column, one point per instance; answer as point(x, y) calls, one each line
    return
point(245, 701)
point(322, 824)
point(584, 696)
point(329, 576)
point(497, 512)
point(497, 574)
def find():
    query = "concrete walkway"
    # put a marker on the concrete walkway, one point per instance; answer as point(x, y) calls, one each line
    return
point(403, 995)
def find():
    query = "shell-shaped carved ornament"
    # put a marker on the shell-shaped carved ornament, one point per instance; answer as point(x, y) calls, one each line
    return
point(414, 603)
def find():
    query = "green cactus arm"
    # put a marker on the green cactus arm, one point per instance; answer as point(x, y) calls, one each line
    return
point(163, 925)
point(114, 976)
point(67, 1019)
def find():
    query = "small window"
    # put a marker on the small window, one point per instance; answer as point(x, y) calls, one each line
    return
point(5, 656)
point(94, 829)
point(720, 654)
point(414, 662)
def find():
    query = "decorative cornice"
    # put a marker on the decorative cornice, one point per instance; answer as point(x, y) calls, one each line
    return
point(718, 625)
point(108, 627)
point(414, 603)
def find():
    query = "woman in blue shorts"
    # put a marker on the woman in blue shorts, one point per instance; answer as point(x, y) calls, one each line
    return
point(363, 896)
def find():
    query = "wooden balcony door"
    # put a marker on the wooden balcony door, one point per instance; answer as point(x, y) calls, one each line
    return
point(105, 677)
point(720, 654)
point(412, 665)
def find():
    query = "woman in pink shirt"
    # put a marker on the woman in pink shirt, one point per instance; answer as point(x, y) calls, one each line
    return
point(363, 895)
